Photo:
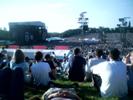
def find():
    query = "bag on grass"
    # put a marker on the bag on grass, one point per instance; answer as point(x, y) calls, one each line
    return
point(60, 94)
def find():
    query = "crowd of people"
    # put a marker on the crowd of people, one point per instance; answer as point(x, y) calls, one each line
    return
point(110, 74)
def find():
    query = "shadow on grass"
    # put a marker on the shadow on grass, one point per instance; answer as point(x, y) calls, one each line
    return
point(30, 92)
point(83, 90)
point(86, 92)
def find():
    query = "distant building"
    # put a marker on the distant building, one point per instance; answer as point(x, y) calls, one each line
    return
point(28, 32)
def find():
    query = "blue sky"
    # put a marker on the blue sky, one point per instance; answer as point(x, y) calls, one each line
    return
point(60, 15)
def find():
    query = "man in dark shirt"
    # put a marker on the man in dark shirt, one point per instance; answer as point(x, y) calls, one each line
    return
point(77, 68)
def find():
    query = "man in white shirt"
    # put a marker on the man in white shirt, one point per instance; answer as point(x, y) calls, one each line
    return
point(94, 61)
point(40, 71)
point(113, 76)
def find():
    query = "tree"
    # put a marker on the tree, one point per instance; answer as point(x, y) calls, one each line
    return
point(5, 35)
point(71, 32)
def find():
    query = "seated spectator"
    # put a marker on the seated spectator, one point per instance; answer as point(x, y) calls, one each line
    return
point(40, 71)
point(77, 68)
point(17, 85)
point(19, 61)
point(94, 61)
point(5, 80)
point(56, 61)
point(113, 76)
point(11, 84)
point(3, 51)
point(66, 65)
point(52, 66)
point(3, 61)
point(129, 62)
point(65, 58)
point(28, 60)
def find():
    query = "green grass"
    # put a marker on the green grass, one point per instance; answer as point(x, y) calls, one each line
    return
point(30, 92)
point(84, 91)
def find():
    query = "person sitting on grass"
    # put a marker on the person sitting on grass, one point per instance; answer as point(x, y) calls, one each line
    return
point(94, 61)
point(113, 76)
point(129, 62)
point(18, 60)
point(40, 71)
point(11, 84)
point(49, 60)
point(77, 68)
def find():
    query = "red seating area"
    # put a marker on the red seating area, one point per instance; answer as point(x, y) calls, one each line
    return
point(58, 47)
point(40, 47)
point(61, 47)
point(13, 46)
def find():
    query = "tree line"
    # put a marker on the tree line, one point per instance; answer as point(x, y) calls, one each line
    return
point(6, 35)
point(73, 32)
